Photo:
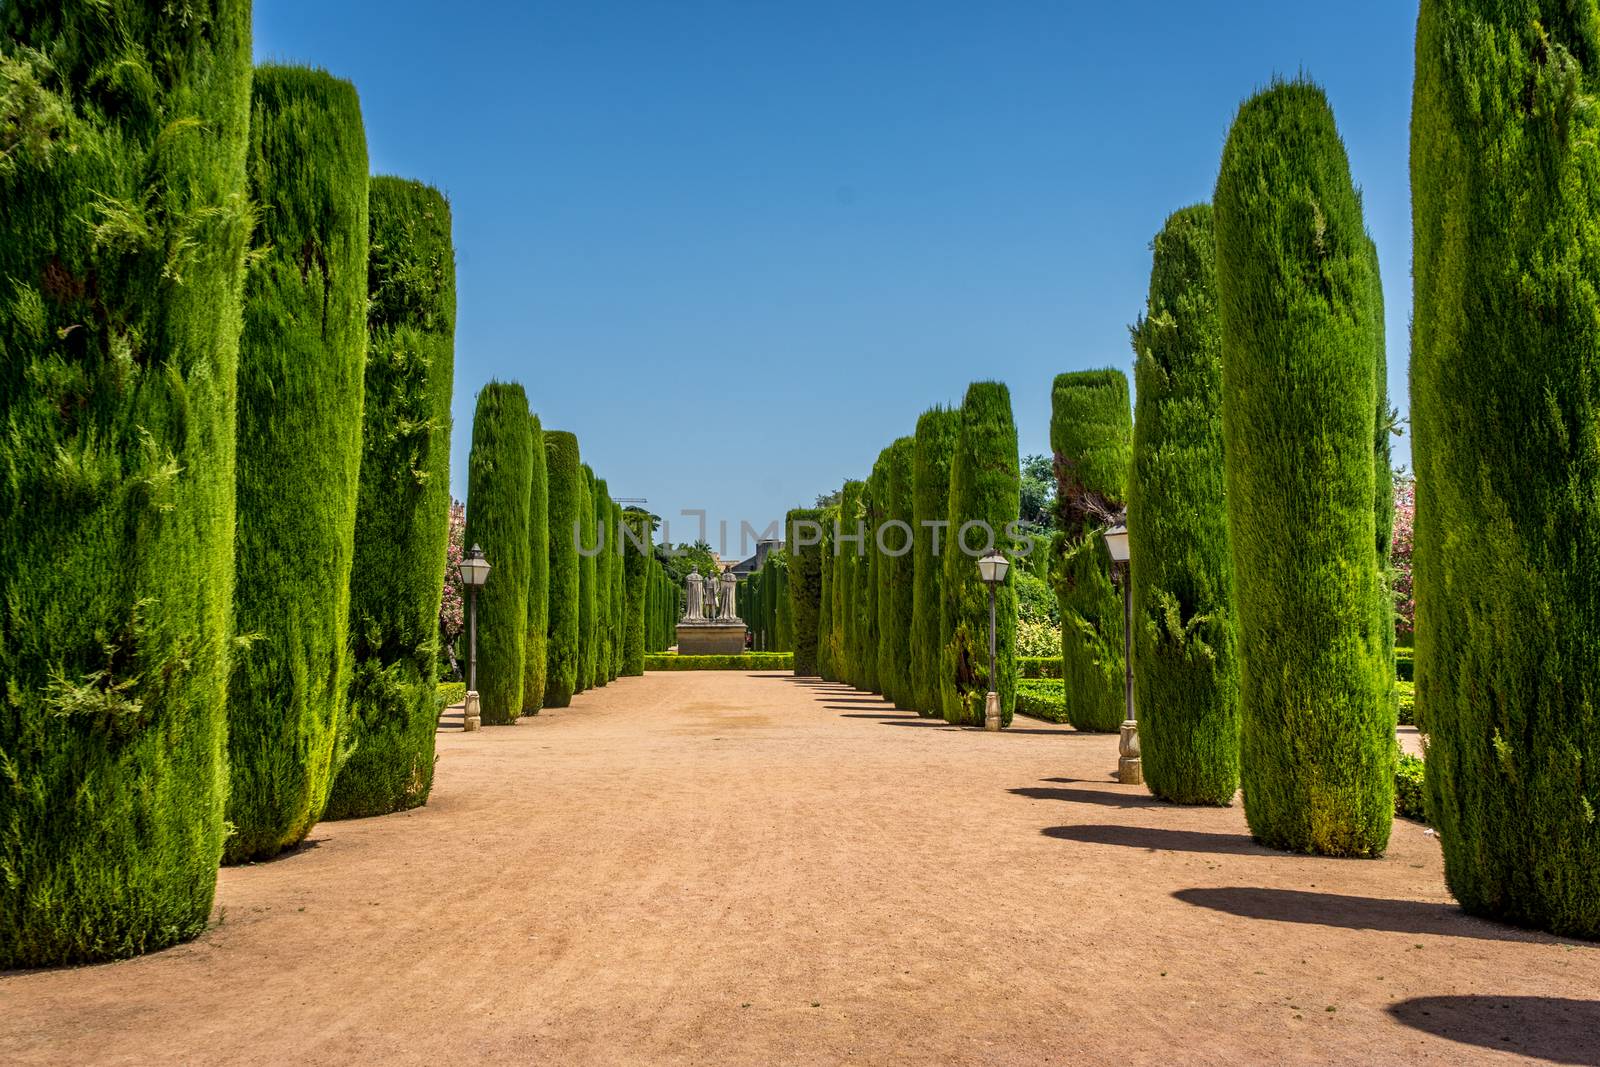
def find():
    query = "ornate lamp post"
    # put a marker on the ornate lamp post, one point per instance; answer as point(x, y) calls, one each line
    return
point(992, 569)
point(474, 572)
point(1130, 768)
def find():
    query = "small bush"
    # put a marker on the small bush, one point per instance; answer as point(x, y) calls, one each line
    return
point(1042, 698)
point(1403, 665)
point(451, 694)
point(1408, 791)
point(1039, 667)
point(1408, 702)
point(749, 661)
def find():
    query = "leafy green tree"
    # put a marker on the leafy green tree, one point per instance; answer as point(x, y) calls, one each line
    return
point(1186, 681)
point(1505, 385)
point(403, 510)
point(1296, 299)
point(301, 356)
point(122, 165)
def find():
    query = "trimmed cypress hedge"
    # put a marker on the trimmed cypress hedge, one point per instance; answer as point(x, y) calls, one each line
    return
point(536, 659)
point(1186, 677)
point(619, 584)
point(933, 445)
point(301, 356)
point(602, 582)
point(783, 610)
point(828, 611)
point(499, 486)
point(847, 587)
point(748, 661)
point(986, 487)
point(636, 563)
point(118, 586)
point(1091, 434)
point(403, 510)
point(566, 495)
point(586, 579)
point(1506, 350)
point(805, 590)
point(895, 575)
point(1295, 296)
point(866, 614)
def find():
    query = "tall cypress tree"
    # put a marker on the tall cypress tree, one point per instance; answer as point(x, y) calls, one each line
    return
point(586, 579)
point(619, 594)
point(117, 394)
point(499, 486)
point(403, 510)
point(602, 582)
point(985, 499)
point(934, 444)
point(636, 564)
point(301, 357)
point(827, 610)
point(895, 574)
point(866, 613)
point(849, 549)
point(1186, 678)
point(1504, 372)
point(565, 473)
point(1295, 295)
point(804, 586)
point(535, 664)
point(1091, 434)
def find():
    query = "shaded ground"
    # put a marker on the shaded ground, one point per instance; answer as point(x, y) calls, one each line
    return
point(748, 868)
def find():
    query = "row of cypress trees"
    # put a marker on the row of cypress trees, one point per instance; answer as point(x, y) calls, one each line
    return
point(883, 587)
point(575, 594)
point(764, 605)
point(223, 607)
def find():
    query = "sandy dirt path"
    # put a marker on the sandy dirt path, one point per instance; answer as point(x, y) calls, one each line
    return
point(750, 868)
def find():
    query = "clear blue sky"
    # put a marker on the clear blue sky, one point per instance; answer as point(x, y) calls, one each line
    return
point(738, 247)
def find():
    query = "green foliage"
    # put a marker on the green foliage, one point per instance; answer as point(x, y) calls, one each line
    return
point(828, 610)
point(749, 661)
point(1410, 794)
point(586, 579)
point(403, 509)
point(1407, 694)
point(864, 620)
point(932, 446)
point(301, 357)
point(1039, 667)
point(985, 487)
point(619, 595)
point(1404, 665)
point(1042, 698)
point(895, 574)
point(1295, 295)
point(565, 474)
point(605, 547)
point(499, 486)
point(849, 558)
point(450, 694)
point(536, 658)
point(1091, 434)
point(1505, 385)
point(1186, 675)
point(636, 562)
point(805, 585)
point(123, 226)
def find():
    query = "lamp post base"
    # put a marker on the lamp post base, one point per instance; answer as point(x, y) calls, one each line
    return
point(470, 718)
point(1130, 768)
point(991, 712)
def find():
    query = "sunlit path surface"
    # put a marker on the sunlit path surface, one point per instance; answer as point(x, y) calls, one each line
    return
point(709, 868)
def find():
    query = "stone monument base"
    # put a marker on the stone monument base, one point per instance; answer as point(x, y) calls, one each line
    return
point(711, 638)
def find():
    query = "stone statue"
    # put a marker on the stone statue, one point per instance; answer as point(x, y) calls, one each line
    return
point(730, 586)
point(693, 597)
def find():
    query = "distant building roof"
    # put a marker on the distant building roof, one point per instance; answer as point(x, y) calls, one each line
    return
point(746, 567)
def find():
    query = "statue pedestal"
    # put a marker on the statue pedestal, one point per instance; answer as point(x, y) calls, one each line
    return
point(711, 638)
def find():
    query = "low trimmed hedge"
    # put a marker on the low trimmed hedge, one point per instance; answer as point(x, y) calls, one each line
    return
point(1042, 698)
point(749, 661)
point(1403, 664)
point(1408, 700)
point(1408, 792)
point(451, 693)
point(1038, 666)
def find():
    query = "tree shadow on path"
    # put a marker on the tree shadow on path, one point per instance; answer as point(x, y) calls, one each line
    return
point(1158, 840)
point(1089, 796)
point(1556, 1029)
point(1355, 913)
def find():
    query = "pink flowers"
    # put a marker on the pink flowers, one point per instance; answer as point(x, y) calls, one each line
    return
point(1405, 512)
point(452, 611)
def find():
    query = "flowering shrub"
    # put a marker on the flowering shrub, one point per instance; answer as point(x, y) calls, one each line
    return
point(452, 610)
point(1405, 511)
